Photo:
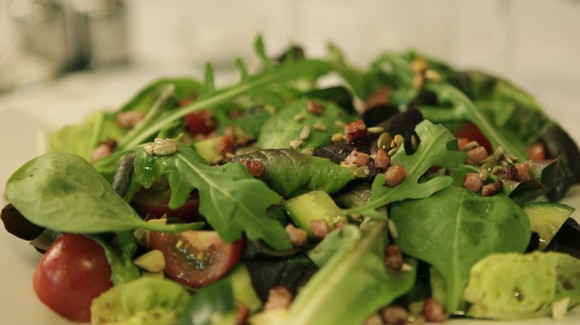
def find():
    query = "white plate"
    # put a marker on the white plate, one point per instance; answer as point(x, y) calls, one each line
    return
point(24, 114)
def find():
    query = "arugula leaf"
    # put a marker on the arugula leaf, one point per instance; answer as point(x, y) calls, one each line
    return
point(465, 108)
point(290, 173)
point(63, 192)
point(354, 279)
point(459, 233)
point(434, 151)
point(252, 85)
point(231, 200)
point(142, 101)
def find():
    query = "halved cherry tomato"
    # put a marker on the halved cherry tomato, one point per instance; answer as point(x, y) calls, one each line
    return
point(155, 203)
point(196, 257)
point(471, 132)
point(73, 271)
point(200, 122)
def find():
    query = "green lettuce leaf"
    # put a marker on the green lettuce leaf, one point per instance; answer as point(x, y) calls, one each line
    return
point(354, 279)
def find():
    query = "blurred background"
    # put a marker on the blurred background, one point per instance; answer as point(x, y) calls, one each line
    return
point(535, 43)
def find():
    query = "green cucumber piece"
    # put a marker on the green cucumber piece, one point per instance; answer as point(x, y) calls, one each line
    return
point(243, 290)
point(546, 218)
point(206, 149)
point(311, 206)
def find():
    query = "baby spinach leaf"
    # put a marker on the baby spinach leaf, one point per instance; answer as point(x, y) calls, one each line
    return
point(516, 286)
point(283, 128)
point(459, 233)
point(433, 151)
point(232, 201)
point(290, 173)
point(63, 192)
point(354, 279)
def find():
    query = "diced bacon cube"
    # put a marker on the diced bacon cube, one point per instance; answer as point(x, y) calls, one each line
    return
point(320, 228)
point(476, 154)
point(355, 131)
point(278, 297)
point(357, 158)
point(395, 175)
point(225, 144)
point(472, 182)
point(298, 237)
point(255, 167)
point(382, 160)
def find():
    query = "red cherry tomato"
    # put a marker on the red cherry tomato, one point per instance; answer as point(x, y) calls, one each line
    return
point(196, 257)
point(471, 132)
point(200, 122)
point(73, 271)
point(155, 203)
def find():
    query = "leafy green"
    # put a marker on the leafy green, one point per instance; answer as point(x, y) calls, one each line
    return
point(145, 301)
point(282, 128)
point(63, 192)
point(82, 138)
point(354, 279)
point(331, 243)
point(543, 176)
point(232, 201)
point(363, 84)
point(290, 173)
point(466, 109)
point(292, 273)
point(433, 151)
point(120, 251)
point(252, 85)
point(162, 104)
point(146, 97)
point(515, 286)
point(463, 227)
point(212, 305)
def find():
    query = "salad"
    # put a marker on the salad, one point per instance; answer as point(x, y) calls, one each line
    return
point(309, 192)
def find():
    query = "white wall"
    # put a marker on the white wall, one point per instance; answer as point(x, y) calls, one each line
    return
point(534, 42)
